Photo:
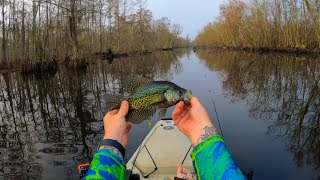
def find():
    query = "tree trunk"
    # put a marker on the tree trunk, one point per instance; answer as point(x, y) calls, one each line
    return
point(117, 13)
point(100, 25)
point(14, 31)
point(4, 50)
point(73, 30)
point(34, 30)
point(23, 33)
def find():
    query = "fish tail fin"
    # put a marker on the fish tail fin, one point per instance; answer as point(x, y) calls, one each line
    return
point(113, 101)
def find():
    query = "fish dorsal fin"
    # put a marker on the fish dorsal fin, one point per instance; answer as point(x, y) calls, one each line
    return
point(132, 84)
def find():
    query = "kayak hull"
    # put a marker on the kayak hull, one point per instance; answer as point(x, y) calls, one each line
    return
point(159, 154)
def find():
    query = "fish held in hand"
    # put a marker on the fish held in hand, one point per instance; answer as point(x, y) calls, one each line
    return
point(148, 97)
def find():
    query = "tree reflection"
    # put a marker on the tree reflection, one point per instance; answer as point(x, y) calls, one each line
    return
point(56, 122)
point(284, 90)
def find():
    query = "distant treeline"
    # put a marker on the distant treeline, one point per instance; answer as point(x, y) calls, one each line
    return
point(40, 31)
point(274, 24)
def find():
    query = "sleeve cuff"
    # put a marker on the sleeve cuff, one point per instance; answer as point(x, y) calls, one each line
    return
point(199, 147)
point(115, 144)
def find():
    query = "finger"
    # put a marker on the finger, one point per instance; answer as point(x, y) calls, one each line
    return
point(175, 114)
point(180, 104)
point(113, 112)
point(189, 175)
point(178, 109)
point(188, 108)
point(124, 108)
point(179, 168)
point(194, 101)
point(176, 119)
point(184, 170)
point(180, 117)
point(129, 126)
point(183, 114)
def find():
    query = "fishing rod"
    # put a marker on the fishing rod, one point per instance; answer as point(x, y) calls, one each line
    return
point(215, 109)
point(249, 175)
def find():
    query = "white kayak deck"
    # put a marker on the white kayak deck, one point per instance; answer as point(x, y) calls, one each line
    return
point(160, 153)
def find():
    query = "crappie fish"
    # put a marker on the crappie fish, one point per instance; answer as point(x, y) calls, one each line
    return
point(146, 98)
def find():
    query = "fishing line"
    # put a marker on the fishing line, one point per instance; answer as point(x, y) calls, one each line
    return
point(215, 109)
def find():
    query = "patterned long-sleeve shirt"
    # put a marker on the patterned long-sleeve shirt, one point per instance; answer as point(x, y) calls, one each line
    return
point(106, 165)
point(211, 160)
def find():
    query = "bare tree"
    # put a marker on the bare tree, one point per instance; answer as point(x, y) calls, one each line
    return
point(4, 49)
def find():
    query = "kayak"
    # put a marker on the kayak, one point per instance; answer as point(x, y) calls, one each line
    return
point(159, 154)
point(161, 151)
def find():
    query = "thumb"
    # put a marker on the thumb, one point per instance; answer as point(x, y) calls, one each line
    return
point(195, 101)
point(124, 108)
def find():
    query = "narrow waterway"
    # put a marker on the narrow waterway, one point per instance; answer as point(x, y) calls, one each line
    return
point(268, 106)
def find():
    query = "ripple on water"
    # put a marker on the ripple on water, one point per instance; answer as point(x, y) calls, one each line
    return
point(60, 149)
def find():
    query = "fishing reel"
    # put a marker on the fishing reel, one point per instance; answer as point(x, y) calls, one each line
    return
point(82, 169)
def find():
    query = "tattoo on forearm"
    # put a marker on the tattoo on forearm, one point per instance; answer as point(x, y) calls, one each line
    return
point(113, 149)
point(208, 131)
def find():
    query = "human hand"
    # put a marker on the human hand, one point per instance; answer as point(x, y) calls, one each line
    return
point(183, 173)
point(115, 125)
point(193, 121)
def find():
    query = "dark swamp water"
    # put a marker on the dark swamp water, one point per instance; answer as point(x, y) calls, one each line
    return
point(268, 105)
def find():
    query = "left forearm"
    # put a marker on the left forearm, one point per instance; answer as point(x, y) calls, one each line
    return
point(106, 164)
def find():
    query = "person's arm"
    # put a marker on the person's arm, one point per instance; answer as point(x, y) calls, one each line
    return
point(107, 162)
point(212, 160)
point(210, 156)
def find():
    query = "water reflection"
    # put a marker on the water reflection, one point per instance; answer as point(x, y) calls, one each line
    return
point(50, 125)
point(283, 90)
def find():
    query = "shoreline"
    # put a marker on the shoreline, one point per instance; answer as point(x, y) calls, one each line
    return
point(110, 56)
point(265, 50)
point(78, 64)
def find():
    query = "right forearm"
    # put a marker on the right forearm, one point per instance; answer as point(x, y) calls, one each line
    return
point(213, 161)
point(203, 133)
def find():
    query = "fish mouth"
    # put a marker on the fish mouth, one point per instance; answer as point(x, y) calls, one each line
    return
point(187, 97)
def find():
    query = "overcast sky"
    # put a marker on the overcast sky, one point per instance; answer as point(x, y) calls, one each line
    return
point(192, 15)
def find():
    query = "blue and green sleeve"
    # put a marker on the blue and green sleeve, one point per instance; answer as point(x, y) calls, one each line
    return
point(212, 160)
point(106, 165)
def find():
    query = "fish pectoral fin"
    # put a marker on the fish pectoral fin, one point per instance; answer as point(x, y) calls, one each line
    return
point(132, 84)
point(162, 112)
point(139, 115)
